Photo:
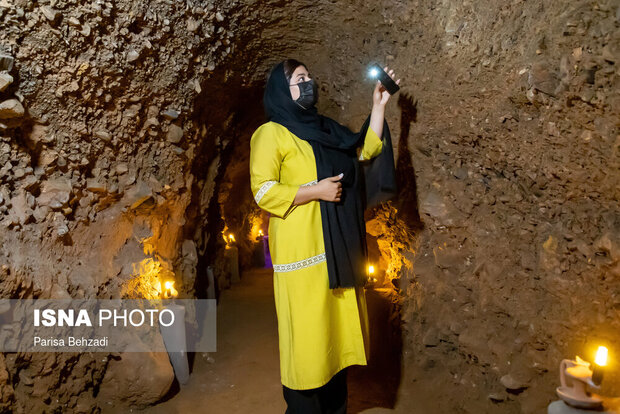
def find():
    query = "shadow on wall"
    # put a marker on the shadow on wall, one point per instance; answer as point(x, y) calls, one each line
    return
point(407, 203)
point(376, 384)
point(390, 244)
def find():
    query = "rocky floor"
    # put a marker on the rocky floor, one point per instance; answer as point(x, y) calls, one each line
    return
point(243, 375)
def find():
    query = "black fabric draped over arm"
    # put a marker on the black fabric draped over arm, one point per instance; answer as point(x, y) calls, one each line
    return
point(335, 151)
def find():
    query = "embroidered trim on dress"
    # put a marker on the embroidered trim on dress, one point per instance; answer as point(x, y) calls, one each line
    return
point(313, 182)
point(263, 189)
point(299, 264)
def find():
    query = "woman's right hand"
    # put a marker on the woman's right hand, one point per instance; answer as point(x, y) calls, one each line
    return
point(330, 188)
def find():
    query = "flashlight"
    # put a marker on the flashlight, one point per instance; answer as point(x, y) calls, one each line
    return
point(376, 72)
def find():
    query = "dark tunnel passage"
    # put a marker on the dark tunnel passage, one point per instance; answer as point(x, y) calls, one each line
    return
point(240, 110)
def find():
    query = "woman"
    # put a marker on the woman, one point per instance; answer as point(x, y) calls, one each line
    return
point(304, 170)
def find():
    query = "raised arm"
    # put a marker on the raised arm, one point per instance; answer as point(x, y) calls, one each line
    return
point(372, 145)
point(372, 142)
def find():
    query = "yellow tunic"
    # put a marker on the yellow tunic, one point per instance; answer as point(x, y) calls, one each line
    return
point(320, 330)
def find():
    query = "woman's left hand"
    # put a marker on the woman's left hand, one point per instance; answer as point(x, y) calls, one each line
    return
point(380, 95)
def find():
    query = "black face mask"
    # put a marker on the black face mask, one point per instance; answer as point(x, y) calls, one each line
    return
point(308, 94)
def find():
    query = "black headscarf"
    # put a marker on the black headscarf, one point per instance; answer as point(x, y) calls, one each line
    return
point(334, 146)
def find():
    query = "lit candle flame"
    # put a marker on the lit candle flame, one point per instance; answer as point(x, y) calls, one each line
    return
point(260, 232)
point(371, 269)
point(170, 291)
point(231, 237)
point(601, 356)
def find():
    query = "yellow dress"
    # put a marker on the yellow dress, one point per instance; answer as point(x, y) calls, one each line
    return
point(320, 330)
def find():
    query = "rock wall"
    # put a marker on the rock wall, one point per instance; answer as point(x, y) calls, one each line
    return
point(513, 130)
point(108, 167)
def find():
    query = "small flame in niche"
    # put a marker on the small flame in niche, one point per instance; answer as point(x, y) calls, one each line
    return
point(146, 279)
point(168, 290)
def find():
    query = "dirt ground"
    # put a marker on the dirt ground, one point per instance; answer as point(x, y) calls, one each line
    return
point(243, 375)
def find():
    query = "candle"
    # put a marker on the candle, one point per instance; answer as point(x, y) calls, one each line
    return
point(371, 271)
point(169, 291)
point(599, 365)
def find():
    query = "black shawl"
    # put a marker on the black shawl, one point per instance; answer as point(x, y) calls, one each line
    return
point(334, 146)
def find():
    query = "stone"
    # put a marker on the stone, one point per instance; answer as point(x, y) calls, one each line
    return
point(175, 133)
point(11, 108)
point(189, 251)
point(542, 79)
point(19, 207)
point(431, 338)
point(121, 168)
point(74, 22)
point(133, 55)
point(38, 133)
point(5, 81)
point(50, 13)
point(40, 213)
point(461, 173)
point(137, 378)
point(511, 383)
point(155, 185)
point(18, 172)
point(607, 244)
point(6, 62)
point(446, 257)
point(151, 123)
point(442, 211)
point(137, 194)
point(610, 54)
point(85, 30)
point(170, 114)
point(94, 185)
point(55, 193)
point(102, 135)
point(497, 396)
point(193, 24)
point(47, 157)
point(62, 229)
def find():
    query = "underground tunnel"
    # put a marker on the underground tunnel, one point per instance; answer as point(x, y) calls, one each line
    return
point(491, 275)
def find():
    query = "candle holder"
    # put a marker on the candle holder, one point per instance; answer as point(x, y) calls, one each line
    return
point(174, 335)
point(232, 254)
point(599, 365)
point(175, 340)
point(575, 379)
point(597, 374)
